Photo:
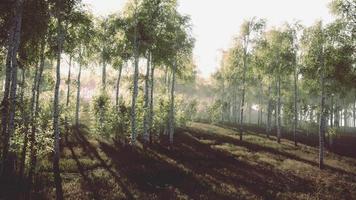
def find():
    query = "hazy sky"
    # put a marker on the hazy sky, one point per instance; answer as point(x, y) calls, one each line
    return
point(216, 22)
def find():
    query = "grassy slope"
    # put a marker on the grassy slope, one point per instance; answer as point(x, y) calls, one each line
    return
point(206, 162)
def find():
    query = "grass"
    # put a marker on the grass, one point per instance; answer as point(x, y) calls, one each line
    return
point(205, 162)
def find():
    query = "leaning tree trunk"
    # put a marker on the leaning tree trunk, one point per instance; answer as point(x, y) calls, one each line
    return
point(279, 109)
point(13, 79)
point(295, 123)
point(56, 156)
point(78, 97)
point(146, 101)
point(171, 110)
point(118, 89)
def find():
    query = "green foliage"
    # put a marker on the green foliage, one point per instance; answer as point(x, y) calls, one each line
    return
point(214, 112)
point(101, 106)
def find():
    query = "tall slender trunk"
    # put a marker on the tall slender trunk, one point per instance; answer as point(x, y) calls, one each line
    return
point(118, 88)
point(223, 102)
point(345, 115)
point(103, 76)
point(68, 91)
point(322, 126)
point(354, 112)
point(243, 91)
point(5, 101)
point(336, 115)
point(56, 156)
point(13, 79)
point(279, 109)
point(25, 119)
point(151, 100)
point(166, 76)
point(332, 112)
point(34, 114)
point(135, 90)
point(249, 113)
point(78, 96)
point(259, 121)
point(171, 113)
point(295, 123)
point(235, 113)
point(269, 113)
point(146, 101)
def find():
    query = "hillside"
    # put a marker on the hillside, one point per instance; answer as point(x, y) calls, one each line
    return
point(205, 162)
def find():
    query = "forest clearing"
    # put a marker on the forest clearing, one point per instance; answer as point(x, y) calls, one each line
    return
point(177, 99)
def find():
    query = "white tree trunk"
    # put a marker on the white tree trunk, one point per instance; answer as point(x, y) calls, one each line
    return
point(146, 101)
point(151, 100)
point(279, 109)
point(134, 91)
point(56, 154)
point(171, 113)
point(118, 88)
point(295, 123)
point(78, 96)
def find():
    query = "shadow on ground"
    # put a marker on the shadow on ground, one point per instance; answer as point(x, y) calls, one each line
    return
point(188, 169)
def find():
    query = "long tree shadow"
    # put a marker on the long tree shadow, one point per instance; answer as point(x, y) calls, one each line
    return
point(342, 145)
point(156, 176)
point(220, 139)
point(202, 159)
point(83, 172)
point(82, 140)
point(195, 169)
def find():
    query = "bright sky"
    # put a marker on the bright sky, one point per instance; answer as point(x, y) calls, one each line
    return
point(216, 22)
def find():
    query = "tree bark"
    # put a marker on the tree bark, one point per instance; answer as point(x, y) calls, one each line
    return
point(322, 125)
point(103, 78)
point(146, 101)
point(336, 115)
point(34, 114)
point(269, 113)
point(78, 97)
point(13, 50)
point(5, 101)
point(354, 112)
point(151, 100)
point(68, 91)
point(25, 119)
point(279, 109)
point(243, 90)
point(332, 112)
point(295, 123)
point(56, 156)
point(135, 89)
point(171, 113)
point(118, 88)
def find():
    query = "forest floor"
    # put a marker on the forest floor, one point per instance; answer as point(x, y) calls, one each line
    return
point(205, 162)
